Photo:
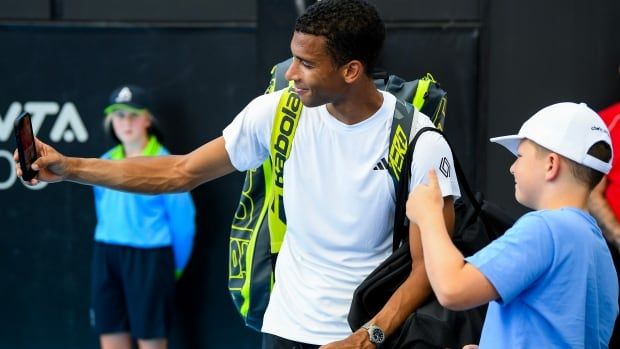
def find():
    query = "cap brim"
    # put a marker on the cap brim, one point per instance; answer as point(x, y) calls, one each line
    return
point(123, 106)
point(509, 142)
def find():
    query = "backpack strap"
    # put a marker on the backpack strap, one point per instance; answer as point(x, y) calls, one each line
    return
point(404, 134)
point(282, 134)
point(401, 225)
point(402, 122)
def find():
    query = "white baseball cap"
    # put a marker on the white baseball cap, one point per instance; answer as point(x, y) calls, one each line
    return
point(568, 129)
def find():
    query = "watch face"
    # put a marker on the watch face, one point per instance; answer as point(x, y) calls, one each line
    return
point(376, 335)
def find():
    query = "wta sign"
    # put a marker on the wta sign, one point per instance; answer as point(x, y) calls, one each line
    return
point(67, 127)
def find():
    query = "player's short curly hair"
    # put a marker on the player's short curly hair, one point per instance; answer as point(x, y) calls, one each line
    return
point(353, 28)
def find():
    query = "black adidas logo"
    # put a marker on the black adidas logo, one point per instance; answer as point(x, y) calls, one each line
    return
point(381, 165)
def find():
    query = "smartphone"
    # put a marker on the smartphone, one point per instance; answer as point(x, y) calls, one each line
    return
point(26, 149)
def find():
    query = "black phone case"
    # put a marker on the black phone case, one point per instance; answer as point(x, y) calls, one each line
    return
point(24, 163)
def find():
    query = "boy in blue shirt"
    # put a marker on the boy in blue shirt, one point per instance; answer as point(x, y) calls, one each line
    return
point(549, 279)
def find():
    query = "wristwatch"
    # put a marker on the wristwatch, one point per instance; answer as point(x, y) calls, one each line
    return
point(375, 333)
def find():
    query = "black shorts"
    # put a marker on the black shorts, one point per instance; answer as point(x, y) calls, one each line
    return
point(271, 341)
point(132, 290)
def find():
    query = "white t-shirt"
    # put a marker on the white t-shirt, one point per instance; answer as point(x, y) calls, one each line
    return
point(339, 206)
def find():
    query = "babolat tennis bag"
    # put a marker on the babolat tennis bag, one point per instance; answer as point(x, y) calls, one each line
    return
point(259, 224)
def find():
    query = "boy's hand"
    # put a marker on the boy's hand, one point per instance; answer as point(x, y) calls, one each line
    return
point(51, 164)
point(425, 200)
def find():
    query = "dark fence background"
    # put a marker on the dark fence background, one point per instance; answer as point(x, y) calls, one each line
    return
point(500, 62)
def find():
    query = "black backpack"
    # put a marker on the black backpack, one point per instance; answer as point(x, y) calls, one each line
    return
point(259, 223)
point(477, 223)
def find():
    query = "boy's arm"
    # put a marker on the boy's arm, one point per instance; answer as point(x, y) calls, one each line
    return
point(600, 209)
point(159, 174)
point(457, 285)
point(409, 296)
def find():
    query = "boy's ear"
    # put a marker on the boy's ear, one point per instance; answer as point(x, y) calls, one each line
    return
point(552, 166)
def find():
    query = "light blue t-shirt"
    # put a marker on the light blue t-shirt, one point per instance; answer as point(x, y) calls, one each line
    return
point(556, 280)
point(146, 221)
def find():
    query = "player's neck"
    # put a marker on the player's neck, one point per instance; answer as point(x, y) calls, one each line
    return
point(359, 103)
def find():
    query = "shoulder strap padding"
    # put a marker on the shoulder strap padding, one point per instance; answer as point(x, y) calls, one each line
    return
point(400, 134)
point(282, 136)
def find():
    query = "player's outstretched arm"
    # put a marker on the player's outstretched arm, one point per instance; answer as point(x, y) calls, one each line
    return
point(159, 174)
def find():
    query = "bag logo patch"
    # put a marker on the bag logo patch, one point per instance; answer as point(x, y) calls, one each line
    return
point(398, 149)
point(444, 167)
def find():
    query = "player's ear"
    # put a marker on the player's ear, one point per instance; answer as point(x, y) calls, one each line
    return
point(352, 71)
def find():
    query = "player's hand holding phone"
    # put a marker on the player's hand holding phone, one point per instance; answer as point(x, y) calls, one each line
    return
point(49, 165)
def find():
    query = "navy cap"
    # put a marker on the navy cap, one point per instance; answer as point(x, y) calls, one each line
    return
point(128, 97)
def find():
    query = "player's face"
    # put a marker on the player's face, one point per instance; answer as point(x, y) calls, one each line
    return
point(316, 79)
point(131, 126)
point(528, 172)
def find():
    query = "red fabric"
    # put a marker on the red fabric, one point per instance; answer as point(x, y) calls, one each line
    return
point(611, 116)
